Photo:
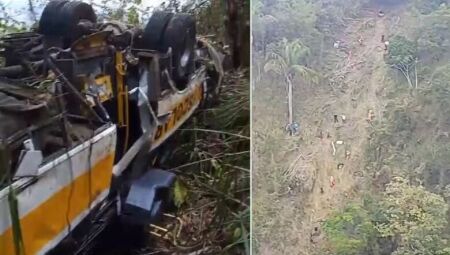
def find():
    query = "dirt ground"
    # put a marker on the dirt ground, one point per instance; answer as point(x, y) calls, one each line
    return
point(328, 161)
point(364, 72)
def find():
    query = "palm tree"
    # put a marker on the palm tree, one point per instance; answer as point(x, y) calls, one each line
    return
point(285, 60)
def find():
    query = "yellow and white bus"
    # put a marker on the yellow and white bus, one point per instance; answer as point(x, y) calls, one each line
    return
point(76, 146)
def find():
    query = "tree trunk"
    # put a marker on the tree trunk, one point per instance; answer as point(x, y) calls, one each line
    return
point(415, 73)
point(238, 31)
point(406, 74)
point(31, 11)
point(232, 30)
point(245, 40)
point(289, 81)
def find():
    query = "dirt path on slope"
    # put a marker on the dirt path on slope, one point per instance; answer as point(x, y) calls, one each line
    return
point(360, 89)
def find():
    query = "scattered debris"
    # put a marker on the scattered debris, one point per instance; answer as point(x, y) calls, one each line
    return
point(321, 190)
point(293, 128)
point(381, 14)
point(332, 182)
point(314, 236)
point(343, 118)
point(370, 116)
point(320, 134)
point(347, 154)
point(334, 148)
point(382, 38)
point(289, 190)
point(339, 142)
point(360, 40)
point(340, 166)
point(386, 45)
point(335, 118)
point(206, 250)
point(337, 44)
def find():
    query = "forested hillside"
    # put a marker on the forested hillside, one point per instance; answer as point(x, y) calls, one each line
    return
point(367, 171)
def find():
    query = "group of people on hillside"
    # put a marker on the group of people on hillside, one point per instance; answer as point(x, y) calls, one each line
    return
point(385, 42)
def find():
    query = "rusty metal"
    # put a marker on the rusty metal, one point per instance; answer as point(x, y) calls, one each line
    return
point(91, 46)
point(73, 89)
point(72, 58)
point(17, 70)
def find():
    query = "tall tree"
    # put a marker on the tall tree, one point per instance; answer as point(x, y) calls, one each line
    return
point(403, 57)
point(238, 30)
point(286, 60)
point(415, 219)
point(406, 220)
point(351, 231)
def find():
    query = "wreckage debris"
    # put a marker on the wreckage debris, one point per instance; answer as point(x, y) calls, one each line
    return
point(332, 182)
point(336, 118)
point(370, 116)
point(337, 44)
point(315, 235)
point(293, 128)
point(347, 154)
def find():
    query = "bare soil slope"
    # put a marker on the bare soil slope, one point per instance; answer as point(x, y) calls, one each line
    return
point(324, 167)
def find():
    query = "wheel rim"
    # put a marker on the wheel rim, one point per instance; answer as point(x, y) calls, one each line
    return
point(186, 55)
point(185, 58)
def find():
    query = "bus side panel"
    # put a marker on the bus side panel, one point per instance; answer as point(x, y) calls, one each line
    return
point(61, 195)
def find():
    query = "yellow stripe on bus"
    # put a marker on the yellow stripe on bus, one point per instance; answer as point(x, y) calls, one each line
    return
point(179, 111)
point(49, 219)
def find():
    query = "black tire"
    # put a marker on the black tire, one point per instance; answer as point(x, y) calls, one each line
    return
point(166, 30)
point(154, 30)
point(60, 18)
point(74, 12)
point(180, 35)
point(48, 22)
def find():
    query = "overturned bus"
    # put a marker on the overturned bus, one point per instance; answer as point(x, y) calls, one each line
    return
point(83, 104)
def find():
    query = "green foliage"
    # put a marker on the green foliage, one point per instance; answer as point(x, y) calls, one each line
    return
point(414, 217)
point(403, 57)
point(402, 52)
point(410, 217)
point(180, 193)
point(9, 23)
point(331, 16)
point(216, 146)
point(284, 19)
point(293, 16)
point(428, 6)
point(132, 12)
point(133, 16)
point(351, 230)
point(241, 235)
point(211, 13)
point(173, 5)
point(434, 33)
point(286, 60)
point(438, 93)
point(11, 26)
